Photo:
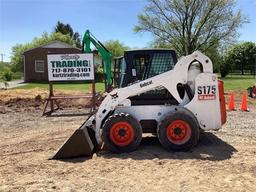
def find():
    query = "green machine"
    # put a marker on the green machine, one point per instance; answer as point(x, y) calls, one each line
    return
point(104, 52)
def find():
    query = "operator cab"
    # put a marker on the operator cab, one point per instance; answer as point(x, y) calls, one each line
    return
point(138, 65)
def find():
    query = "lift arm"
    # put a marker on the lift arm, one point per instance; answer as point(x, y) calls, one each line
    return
point(105, 54)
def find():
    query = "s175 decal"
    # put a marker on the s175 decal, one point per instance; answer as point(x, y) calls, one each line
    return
point(206, 92)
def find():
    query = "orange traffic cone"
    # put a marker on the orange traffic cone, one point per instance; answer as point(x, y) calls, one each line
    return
point(244, 106)
point(231, 104)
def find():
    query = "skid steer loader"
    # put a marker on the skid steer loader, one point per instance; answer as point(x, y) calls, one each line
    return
point(195, 101)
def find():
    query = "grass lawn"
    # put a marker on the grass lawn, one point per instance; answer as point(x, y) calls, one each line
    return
point(65, 86)
point(238, 82)
point(231, 82)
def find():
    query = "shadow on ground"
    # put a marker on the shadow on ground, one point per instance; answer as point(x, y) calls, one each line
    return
point(210, 148)
point(66, 113)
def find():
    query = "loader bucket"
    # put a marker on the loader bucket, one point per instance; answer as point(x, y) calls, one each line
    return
point(81, 143)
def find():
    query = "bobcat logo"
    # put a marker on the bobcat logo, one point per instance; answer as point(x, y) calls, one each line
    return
point(114, 96)
point(146, 84)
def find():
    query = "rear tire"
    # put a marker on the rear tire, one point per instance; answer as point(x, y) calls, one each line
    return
point(178, 130)
point(121, 133)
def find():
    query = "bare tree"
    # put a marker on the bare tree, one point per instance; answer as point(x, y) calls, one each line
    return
point(188, 25)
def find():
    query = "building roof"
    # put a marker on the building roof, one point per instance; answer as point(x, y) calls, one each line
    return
point(53, 44)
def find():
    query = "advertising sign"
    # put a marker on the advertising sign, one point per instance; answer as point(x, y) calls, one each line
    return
point(70, 67)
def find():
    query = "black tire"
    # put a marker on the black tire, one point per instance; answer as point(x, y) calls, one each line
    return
point(168, 130)
point(201, 134)
point(109, 139)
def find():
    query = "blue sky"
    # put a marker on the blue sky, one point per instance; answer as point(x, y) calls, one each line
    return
point(22, 20)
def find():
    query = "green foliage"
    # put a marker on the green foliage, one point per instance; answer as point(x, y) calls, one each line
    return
point(18, 75)
point(19, 49)
point(16, 58)
point(216, 58)
point(238, 82)
point(224, 70)
point(241, 57)
point(100, 76)
point(212, 52)
point(187, 26)
point(7, 75)
point(159, 43)
point(4, 66)
point(66, 29)
point(116, 47)
point(1, 67)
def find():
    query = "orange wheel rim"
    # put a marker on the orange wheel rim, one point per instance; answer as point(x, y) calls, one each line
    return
point(122, 133)
point(178, 132)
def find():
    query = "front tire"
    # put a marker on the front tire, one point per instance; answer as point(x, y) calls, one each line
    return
point(121, 133)
point(178, 130)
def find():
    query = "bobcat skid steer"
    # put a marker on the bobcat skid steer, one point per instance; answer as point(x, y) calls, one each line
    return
point(195, 102)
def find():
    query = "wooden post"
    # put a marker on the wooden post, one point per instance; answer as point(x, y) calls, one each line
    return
point(105, 77)
point(93, 95)
point(50, 96)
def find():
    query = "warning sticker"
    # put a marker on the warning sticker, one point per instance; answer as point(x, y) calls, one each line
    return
point(206, 97)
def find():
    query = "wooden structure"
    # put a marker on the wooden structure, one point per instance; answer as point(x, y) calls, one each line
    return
point(69, 68)
point(52, 98)
point(35, 60)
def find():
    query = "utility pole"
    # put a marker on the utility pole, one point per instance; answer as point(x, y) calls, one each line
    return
point(2, 57)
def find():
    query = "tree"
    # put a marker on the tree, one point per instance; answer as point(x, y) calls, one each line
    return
point(17, 50)
point(225, 68)
point(213, 53)
point(241, 57)
point(215, 56)
point(188, 25)
point(116, 47)
point(66, 29)
point(5, 71)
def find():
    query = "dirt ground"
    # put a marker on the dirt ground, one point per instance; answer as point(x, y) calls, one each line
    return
point(222, 161)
